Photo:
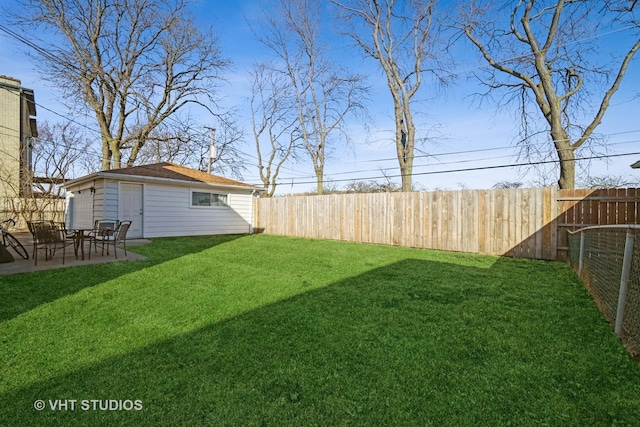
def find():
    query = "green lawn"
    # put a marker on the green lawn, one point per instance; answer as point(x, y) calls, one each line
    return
point(264, 330)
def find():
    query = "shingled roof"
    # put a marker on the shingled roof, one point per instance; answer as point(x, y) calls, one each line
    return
point(172, 171)
point(168, 171)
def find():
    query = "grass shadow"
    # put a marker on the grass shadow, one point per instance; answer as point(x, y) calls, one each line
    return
point(21, 293)
point(415, 342)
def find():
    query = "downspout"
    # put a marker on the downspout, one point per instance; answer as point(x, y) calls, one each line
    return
point(253, 195)
point(93, 203)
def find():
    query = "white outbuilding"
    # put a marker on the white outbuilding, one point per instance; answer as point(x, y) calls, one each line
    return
point(162, 200)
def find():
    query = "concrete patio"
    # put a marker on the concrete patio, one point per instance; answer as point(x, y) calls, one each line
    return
point(27, 265)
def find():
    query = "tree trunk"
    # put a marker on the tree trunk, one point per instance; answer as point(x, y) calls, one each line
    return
point(134, 153)
point(406, 178)
point(405, 137)
point(566, 155)
point(106, 155)
point(117, 157)
point(567, 179)
point(319, 178)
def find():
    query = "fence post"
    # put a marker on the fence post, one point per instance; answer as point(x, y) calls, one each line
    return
point(624, 281)
point(581, 257)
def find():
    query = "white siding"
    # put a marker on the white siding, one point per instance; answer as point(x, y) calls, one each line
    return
point(110, 208)
point(83, 205)
point(98, 200)
point(168, 212)
point(242, 204)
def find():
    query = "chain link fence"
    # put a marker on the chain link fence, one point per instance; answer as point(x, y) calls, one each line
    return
point(607, 260)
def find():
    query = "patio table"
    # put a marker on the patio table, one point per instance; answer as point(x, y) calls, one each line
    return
point(79, 234)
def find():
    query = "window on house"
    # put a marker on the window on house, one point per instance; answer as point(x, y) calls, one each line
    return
point(199, 198)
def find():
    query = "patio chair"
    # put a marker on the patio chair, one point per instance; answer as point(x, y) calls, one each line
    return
point(69, 236)
point(102, 228)
point(47, 236)
point(32, 229)
point(115, 237)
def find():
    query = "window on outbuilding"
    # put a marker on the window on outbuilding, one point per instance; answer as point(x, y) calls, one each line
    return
point(206, 199)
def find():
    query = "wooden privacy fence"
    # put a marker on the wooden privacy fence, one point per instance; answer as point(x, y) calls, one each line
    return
point(513, 221)
point(31, 209)
point(528, 223)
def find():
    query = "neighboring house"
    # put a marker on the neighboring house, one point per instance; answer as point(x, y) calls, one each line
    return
point(17, 127)
point(636, 165)
point(162, 199)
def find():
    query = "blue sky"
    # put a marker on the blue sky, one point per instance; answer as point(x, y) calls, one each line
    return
point(459, 126)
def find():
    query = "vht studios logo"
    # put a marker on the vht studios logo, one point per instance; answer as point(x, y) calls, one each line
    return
point(88, 405)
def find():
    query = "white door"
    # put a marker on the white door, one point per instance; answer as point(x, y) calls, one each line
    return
point(131, 208)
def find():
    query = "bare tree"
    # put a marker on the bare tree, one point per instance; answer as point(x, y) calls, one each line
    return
point(57, 152)
point(400, 35)
point(371, 186)
point(229, 159)
point(185, 141)
point(501, 185)
point(623, 6)
point(274, 119)
point(133, 63)
point(548, 48)
point(609, 181)
point(325, 93)
point(182, 140)
point(172, 143)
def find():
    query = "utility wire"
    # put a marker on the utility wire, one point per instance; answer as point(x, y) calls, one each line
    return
point(420, 166)
point(302, 175)
point(56, 59)
point(480, 150)
point(288, 180)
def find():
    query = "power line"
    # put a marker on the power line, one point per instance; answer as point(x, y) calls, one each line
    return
point(55, 112)
point(482, 159)
point(58, 60)
point(44, 52)
point(439, 163)
point(480, 150)
point(302, 175)
point(479, 168)
point(465, 160)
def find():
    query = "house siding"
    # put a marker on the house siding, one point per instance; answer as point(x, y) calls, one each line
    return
point(10, 114)
point(83, 206)
point(166, 209)
point(98, 200)
point(242, 204)
point(168, 212)
point(15, 135)
point(110, 204)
